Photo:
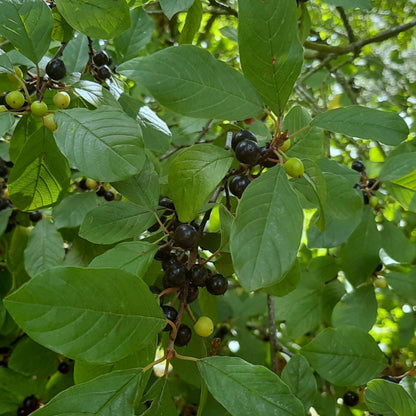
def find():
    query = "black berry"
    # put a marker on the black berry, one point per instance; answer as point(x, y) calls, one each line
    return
point(21, 411)
point(155, 290)
point(351, 398)
point(30, 403)
point(56, 69)
point(175, 276)
point(171, 315)
point(185, 236)
point(63, 367)
point(4, 203)
point(162, 254)
point(217, 284)
point(193, 293)
point(101, 191)
point(358, 166)
point(265, 154)
point(238, 184)
point(82, 184)
point(100, 58)
point(247, 151)
point(374, 184)
point(183, 336)
point(103, 72)
point(35, 216)
point(242, 135)
point(166, 202)
point(198, 275)
point(109, 196)
point(3, 364)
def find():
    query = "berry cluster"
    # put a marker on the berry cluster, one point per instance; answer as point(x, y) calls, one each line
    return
point(101, 60)
point(101, 189)
point(366, 185)
point(29, 405)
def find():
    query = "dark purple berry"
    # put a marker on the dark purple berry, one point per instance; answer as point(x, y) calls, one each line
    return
point(217, 284)
point(357, 186)
point(31, 403)
point(3, 364)
point(109, 196)
point(238, 184)
point(101, 191)
point(265, 154)
point(56, 69)
point(183, 336)
point(21, 411)
point(176, 276)
point(82, 184)
point(374, 184)
point(247, 152)
point(162, 254)
point(185, 236)
point(63, 367)
point(242, 135)
point(35, 216)
point(100, 58)
point(103, 72)
point(351, 398)
point(358, 166)
point(170, 314)
point(155, 290)
point(166, 202)
point(193, 293)
point(198, 275)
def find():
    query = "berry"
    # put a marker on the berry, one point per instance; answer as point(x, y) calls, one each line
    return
point(198, 275)
point(357, 186)
point(185, 236)
point(285, 145)
point(15, 99)
point(373, 201)
point(193, 293)
point(90, 183)
point(100, 58)
point(294, 167)
point(30, 403)
point(100, 191)
point(238, 184)
point(63, 367)
point(381, 282)
point(155, 290)
point(374, 184)
point(3, 364)
point(166, 202)
point(21, 411)
point(162, 254)
point(35, 216)
point(39, 108)
point(247, 151)
point(49, 122)
point(183, 335)
point(56, 69)
point(351, 398)
point(358, 166)
point(175, 276)
point(109, 196)
point(171, 315)
point(217, 284)
point(242, 135)
point(204, 326)
point(103, 72)
point(264, 155)
point(62, 99)
point(4, 203)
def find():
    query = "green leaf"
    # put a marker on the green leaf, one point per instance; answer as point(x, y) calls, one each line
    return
point(193, 176)
point(161, 400)
point(270, 217)
point(182, 79)
point(226, 220)
point(404, 284)
point(27, 24)
point(345, 356)
point(76, 56)
point(396, 244)
point(366, 123)
point(45, 248)
point(92, 92)
point(110, 394)
point(61, 30)
point(104, 20)
point(288, 284)
point(60, 310)
point(359, 256)
point(298, 375)
point(171, 7)
point(398, 167)
point(133, 257)
point(40, 174)
point(351, 4)
point(359, 306)
point(270, 52)
point(388, 398)
point(6, 122)
point(131, 42)
point(15, 256)
point(245, 389)
point(116, 221)
point(105, 145)
point(192, 23)
point(4, 219)
point(6, 65)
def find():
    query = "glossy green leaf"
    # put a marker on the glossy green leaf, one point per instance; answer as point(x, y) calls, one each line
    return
point(193, 176)
point(45, 248)
point(105, 145)
point(93, 93)
point(270, 52)
point(345, 356)
point(298, 375)
point(75, 56)
point(147, 118)
point(396, 244)
point(366, 123)
point(388, 398)
point(171, 7)
point(358, 307)
point(245, 389)
point(104, 20)
point(404, 284)
point(131, 42)
point(60, 310)
point(192, 23)
point(133, 257)
point(107, 395)
point(190, 81)
point(116, 221)
point(27, 24)
point(399, 168)
point(41, 173)
point(161, 400)
point(270, 217)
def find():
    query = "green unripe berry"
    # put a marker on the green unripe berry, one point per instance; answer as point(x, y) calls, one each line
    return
point(285, 145)
point(49, 122)
point(380, 282)
point(39, 108)
point(62, 99)
point(373, 201)
point(294, 167)
point(204, 326)
point(3, 108)
point(91, 183)
point(15, 99)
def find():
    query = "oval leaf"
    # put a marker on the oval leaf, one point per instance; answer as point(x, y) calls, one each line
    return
point(97, 315)
point(366, 123)
point(245, 389)
point(270, 217)
point(105, 145)
point(190, 81)
point(345, 356)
